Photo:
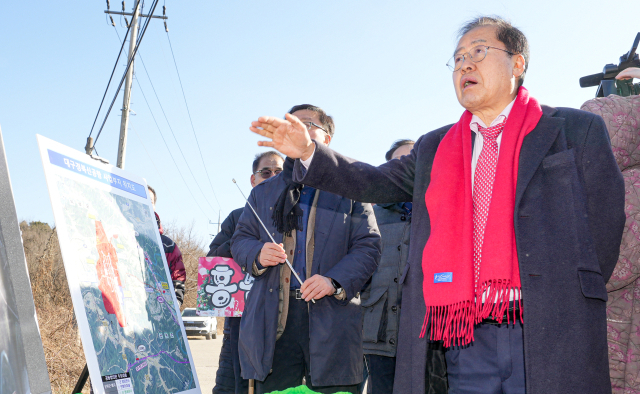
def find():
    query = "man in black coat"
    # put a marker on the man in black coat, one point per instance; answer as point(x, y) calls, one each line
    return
point(228, 375)
point(565, 226)
point(305, 323)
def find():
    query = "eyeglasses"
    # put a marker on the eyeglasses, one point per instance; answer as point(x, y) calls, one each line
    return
point(311, 124)
point(267, 173)
point(476, 55)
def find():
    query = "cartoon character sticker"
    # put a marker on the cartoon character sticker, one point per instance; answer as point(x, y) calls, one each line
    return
point(223, 287)
point(221, 290)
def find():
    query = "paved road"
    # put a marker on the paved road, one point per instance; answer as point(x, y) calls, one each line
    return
point(205, 356)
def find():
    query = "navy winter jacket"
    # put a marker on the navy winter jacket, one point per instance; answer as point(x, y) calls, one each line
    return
point(347, 249)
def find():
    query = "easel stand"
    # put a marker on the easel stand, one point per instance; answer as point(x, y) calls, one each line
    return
point(84, 375)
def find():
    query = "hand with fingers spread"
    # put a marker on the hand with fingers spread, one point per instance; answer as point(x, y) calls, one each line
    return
point(271, 255)
point(629, 73)
point(290, 136)
point(317, 287)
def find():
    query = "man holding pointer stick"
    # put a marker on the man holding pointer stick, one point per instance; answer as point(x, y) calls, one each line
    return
point(517, 221)
point(333, 245)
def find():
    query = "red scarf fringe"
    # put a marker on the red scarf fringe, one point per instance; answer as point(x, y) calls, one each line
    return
point(453, 324)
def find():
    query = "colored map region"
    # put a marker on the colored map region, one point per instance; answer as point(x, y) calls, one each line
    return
point(108, 277)
point(127, 297)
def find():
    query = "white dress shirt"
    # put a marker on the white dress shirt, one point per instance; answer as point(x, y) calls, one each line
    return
point(479, 141)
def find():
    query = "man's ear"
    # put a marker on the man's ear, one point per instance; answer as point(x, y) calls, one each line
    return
point(327, 139)
point(519, 65)
point(253, 180)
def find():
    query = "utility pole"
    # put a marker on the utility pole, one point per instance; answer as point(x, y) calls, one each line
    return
point(219, 225)
point(124, 123)
point(133, 38)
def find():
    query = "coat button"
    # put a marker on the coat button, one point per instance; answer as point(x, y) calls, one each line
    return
point(271, 208)
point(403, 218)
point(394, 308)
point(395, 280)
point(270, 290)
point(392, 341)
point(399, 247)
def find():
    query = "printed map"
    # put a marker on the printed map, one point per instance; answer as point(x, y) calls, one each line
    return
point(125, 290)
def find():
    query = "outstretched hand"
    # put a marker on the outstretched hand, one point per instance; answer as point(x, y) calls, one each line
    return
point(289, 136)
point(629, 73)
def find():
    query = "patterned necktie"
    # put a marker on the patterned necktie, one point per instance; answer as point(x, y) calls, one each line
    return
point(483, 180)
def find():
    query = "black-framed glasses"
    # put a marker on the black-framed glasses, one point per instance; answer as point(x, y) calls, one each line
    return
point(311, 124)
point(267, 173)
point(476, 55)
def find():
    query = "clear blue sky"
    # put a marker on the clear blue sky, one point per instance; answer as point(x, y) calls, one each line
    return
point(377, 66)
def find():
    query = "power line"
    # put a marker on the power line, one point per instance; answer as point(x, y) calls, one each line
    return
point(174, 135)
point(191, 121)
point(111, 77)
point(165, 142)
point(170, 154)
point(154, 166)
point(144, 147)
point(130, 62)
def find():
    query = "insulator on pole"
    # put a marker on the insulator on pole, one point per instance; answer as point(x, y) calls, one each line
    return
point(126, 22)
point(165, 27)
point(112, 22)
point(164, 10)
point(108, 5)
point(122, 5)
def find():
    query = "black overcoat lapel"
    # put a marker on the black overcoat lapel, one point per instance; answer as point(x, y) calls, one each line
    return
point(535, 147)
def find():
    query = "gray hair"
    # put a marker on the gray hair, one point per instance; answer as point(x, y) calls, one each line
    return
point(513, 38)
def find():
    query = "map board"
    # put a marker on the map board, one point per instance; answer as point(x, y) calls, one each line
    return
point(129, 319)
point(222, 287)
point(23, 369)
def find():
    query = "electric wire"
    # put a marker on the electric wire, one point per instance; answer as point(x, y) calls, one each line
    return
point(109, 83)
point(174, 135)
point(142, 143)
point(191, 121)
point(130, 62)
point(170, 154)
point(154, 166)
point(165, 143)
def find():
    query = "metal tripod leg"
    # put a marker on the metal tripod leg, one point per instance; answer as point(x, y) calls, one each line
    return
point(84, 375)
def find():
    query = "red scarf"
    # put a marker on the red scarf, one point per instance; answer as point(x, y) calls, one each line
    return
point(453, 306)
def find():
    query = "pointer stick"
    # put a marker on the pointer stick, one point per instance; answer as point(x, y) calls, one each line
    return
point(269, 234)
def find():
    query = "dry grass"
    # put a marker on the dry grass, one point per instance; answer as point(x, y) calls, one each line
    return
point(191, 248)
point(62, 346)
point(58, 328)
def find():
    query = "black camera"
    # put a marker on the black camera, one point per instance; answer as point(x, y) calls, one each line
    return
point(606, 82)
